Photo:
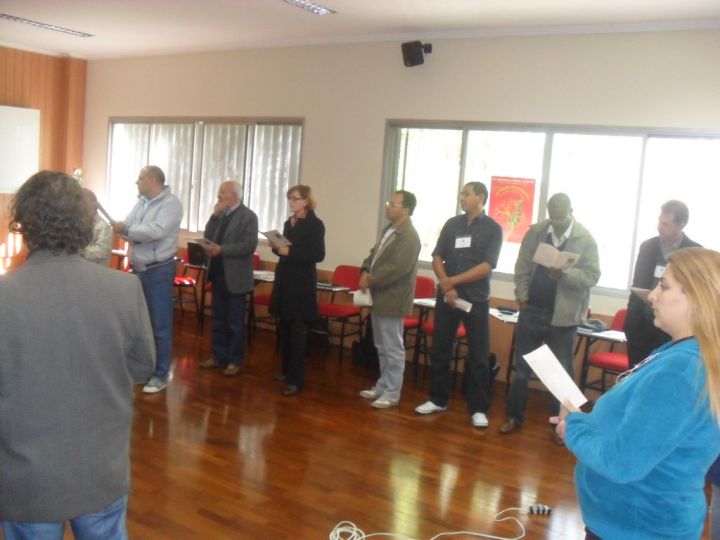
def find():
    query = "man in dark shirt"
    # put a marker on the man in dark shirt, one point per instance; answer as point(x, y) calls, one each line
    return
point(553, 301)
point(466, 253)
point(642, 334)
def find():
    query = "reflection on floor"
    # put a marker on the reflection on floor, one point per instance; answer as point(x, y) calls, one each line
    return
point(229, 457)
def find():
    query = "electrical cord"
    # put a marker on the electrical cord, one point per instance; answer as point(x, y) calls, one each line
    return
point(347, 530)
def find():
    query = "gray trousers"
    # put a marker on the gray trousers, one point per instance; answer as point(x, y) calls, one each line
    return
point(388, 338)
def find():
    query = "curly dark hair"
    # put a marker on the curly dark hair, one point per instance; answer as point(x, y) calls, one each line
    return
point(50, 213)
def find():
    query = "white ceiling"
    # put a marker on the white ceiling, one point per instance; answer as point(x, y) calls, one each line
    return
point(150, 27)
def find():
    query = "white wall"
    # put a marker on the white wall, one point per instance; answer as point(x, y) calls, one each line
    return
point(346, 93)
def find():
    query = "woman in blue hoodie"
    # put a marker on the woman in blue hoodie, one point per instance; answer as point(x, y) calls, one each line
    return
point(644, 449)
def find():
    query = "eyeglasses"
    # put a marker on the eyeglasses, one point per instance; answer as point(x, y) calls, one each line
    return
point(394, 205)
point(295, 199)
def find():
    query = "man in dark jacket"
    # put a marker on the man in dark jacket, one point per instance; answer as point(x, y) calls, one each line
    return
point(232, 234)
point(74, 337)
point(642, 334)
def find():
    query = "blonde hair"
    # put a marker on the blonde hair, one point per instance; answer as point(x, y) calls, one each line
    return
point(697, 270)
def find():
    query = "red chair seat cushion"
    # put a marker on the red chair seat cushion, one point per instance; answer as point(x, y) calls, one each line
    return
point(410, 322)
point(609, 360)
point(428, 328)
point(337, 311)
point(184, 281)
point(261, 299)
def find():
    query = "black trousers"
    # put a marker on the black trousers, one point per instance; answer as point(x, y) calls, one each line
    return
point(293, 346)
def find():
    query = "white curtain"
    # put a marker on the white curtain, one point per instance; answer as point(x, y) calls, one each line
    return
point(274, 167)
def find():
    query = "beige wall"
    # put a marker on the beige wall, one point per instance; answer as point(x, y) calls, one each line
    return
point(346, 93)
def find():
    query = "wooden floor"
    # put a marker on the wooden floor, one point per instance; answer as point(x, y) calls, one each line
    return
point(217, 457)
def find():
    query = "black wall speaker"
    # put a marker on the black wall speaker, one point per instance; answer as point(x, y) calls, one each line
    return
point(412, 52)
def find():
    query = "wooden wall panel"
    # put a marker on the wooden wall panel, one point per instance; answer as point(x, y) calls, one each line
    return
point(56, 86)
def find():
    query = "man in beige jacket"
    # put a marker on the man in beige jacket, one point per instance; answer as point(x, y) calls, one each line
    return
point(389, 274)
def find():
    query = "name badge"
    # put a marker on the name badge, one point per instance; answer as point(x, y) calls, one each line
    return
point(462, 242)
point(659, 270)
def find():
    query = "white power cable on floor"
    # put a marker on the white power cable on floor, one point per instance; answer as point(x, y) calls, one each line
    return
point(347, 530)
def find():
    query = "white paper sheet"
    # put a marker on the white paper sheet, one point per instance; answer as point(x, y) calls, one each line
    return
point(362, 299)
point(547, 367)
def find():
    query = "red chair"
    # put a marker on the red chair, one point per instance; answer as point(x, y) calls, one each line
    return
point(611, 363)
point(424, 288)
point(254, 300)
point(186, 287)
point(348, 315)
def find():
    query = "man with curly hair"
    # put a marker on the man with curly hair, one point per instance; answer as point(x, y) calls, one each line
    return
point(74, 337)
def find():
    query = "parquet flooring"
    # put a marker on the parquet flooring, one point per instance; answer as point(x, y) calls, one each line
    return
point(220, 457)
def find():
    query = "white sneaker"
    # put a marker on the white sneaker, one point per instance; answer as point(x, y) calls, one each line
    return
point(480, 420)
point(154, 385)
point(385, 403)
point(370, 393)
point(428, 408)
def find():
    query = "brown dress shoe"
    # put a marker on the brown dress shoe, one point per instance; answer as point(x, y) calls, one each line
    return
point(509, 426)
point(231, 370)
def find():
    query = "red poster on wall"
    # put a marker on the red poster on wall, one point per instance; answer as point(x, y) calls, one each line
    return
point(511, 205)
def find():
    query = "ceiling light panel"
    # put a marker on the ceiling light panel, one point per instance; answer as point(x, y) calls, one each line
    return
point(312, 7)
point(45, 26)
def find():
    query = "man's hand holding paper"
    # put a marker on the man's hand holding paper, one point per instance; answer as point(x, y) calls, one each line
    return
point(549, 256)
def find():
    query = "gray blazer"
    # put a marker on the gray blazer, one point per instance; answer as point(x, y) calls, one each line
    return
point(74, 337)
point(238, 245)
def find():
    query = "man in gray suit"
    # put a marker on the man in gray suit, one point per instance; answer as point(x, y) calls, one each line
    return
point(74, 337)
point(389, 274)
point(232, 234)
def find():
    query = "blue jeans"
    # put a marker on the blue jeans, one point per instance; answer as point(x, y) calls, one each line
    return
point(388, 338)
point(228, 324)
point(157, 285)
point(533, 329)
point(105, 524)
point(477, 374)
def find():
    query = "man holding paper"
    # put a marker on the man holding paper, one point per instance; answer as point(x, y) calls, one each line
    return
point(642, 335)
point(553, 299)
point(466, 253)
point(389, 274)
point(232, 236)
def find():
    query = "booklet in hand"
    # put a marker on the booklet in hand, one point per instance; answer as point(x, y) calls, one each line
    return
point(204, 242)
point(277, 239)
point(549, 256)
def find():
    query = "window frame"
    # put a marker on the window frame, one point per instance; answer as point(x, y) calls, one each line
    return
point(393, 128)
point(191, 205)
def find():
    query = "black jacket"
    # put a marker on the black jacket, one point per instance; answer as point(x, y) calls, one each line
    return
point(294, 294)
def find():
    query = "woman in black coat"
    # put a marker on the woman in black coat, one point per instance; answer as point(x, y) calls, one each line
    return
point(294, 299)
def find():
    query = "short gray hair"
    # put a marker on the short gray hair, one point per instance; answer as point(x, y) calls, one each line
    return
point(237, 187)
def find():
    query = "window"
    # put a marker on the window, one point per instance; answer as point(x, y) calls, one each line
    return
point(616, 179)
point(197, 156)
